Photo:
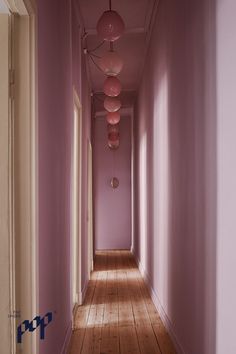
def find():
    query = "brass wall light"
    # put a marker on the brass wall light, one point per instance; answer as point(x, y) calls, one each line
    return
point(114, 182)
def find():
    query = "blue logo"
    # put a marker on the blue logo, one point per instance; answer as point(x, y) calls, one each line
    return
point(41, 322)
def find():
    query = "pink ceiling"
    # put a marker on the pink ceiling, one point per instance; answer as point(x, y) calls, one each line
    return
point(137, 15)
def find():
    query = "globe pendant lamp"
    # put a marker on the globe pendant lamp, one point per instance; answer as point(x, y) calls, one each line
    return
point(113, 144)
point(110, 26)
point(111, 63)
point(113, 137)
point(113, 128)
point(113, 117)
point(112, 86)
point(112, 104)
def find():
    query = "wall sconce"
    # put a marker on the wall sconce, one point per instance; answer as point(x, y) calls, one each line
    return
point(114, 182)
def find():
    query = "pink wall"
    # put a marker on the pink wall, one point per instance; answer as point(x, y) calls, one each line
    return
point(112, 207)
point(174, 237)
point(226, 172)
point(57, 33)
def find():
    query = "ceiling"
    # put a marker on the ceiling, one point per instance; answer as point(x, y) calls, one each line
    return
point(3, 7)
point(138, 17)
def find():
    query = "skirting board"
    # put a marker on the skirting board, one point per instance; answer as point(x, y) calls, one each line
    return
point(84, 290)
point(65, 348)
point(66, 343)
point(82, 294)
point(158, 305)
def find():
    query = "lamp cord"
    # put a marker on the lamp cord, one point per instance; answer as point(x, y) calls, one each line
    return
point(110, 5)
point(94, 62)
point(98, 46)
point(94, 55)
point(98, 98)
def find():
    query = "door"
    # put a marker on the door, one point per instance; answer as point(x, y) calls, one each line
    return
point(5, 188)
point(18, 253)
point(76, 204)
point(90, 210)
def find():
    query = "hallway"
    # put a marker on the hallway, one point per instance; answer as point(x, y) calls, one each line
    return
point(118, 315)
point(117, 142)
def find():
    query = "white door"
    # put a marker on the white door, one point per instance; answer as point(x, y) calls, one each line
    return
point(76, 204)
point(90, 210)
point(18, 260)
point(5, 305)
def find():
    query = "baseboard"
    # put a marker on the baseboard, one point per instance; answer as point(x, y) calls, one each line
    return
point(65, 347)
point(165, 319)
point(83, 293)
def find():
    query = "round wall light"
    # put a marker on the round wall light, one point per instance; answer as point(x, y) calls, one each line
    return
point(114, 182)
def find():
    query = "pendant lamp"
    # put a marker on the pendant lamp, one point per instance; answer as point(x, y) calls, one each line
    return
point(114, 144)
point(112, 86)
point(112, 104)
point(113, 128)
point(111, 63)
point(113, 136)
point(113, 117)
point(110, 26)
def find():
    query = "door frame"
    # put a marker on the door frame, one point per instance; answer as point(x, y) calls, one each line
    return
point(24, 284)
point(76, 204)
point(6, 305)
point(90, 208)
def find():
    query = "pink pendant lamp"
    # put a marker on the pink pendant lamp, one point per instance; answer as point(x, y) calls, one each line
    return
point(113, 144)
point(110, 26)
point(113, 137)
point(112, 86)
point(113, 128)
point(111, 63)
point(112, 104)
point(113, 117)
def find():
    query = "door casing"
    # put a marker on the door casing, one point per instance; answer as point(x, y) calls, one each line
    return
point(21, 156)
point(76, 191)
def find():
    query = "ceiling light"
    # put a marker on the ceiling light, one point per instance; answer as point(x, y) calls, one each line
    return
point(112, 104)
point(112, 86)
point(113, 118)
point(113, 137)
point(113, 128)
point(111, 63)
point(113, 144)
point(110, 26)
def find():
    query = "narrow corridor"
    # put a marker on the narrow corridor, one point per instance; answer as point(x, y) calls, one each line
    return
point(118, 315)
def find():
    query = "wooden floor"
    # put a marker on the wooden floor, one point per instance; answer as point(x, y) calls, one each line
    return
point(118, 315)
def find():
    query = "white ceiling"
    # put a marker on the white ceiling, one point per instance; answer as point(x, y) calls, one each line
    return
point(137, 15)
point(3, 7)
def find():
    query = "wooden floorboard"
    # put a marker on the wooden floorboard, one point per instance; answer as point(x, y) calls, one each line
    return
point(118, 315)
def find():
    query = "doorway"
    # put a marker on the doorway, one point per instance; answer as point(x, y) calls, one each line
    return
point(18, 185)
point(76, 203)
